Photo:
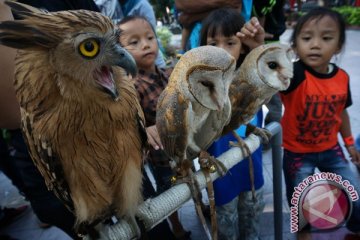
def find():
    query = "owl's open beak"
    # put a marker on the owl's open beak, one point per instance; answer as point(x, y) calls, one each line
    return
point(104, 77)
point(124, 60)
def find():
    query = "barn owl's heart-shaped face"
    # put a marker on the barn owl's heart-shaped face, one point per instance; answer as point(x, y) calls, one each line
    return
point(210, 88)
point(274, 66)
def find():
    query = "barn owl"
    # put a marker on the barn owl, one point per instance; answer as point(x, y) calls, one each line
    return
point(266, 70)
point(80, 115)
point(195, 106)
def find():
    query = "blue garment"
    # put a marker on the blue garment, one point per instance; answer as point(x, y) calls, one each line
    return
point(139, 8)
point(246, 9)
point(128, 6)
point(194, 39)
point(357, 142)
point(237, 179)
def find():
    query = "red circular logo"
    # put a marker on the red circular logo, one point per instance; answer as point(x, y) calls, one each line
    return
point(325, 206)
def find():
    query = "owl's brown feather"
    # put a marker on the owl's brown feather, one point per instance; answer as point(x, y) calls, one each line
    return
point(47, 162)
point(96, 140)
point(174, 127)
point(81, 118)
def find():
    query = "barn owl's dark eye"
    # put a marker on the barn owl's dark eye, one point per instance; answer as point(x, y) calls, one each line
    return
point(207, 84)
point(272, 65)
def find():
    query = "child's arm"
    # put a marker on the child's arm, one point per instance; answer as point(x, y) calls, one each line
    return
point(252, 34)
point(153, 137)
point(345, 131)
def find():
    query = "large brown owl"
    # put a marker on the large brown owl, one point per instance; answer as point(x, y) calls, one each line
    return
point(195, 106)
point(80, 114)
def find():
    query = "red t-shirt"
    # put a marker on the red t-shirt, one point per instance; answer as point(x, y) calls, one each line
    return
point(313, 106)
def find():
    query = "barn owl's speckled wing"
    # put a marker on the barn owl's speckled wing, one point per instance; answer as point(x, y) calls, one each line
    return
point(173, 122)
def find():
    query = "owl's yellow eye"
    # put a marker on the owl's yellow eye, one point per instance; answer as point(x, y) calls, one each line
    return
point(89, 48)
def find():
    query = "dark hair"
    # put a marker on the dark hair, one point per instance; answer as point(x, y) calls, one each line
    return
point(226, 21)
point(133, 18)
point(319, 13)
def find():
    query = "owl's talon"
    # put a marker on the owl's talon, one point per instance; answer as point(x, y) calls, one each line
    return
point(263, 133)
point(209, 162)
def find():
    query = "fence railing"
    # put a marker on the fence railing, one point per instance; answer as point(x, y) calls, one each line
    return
point(154, 210)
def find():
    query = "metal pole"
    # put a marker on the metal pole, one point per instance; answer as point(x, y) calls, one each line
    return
point(276, 142)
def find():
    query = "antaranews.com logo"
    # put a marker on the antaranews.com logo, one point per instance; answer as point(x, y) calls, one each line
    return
point(322, 200)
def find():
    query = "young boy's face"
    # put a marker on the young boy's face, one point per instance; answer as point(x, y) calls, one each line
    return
point(317, 42)
point(231, 44)
point(139, 39)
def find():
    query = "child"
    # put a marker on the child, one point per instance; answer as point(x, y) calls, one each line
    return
point(315, 107)
point(237, 214)
point(138, 37)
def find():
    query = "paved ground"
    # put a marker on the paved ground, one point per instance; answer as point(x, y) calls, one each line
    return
point(26, 227)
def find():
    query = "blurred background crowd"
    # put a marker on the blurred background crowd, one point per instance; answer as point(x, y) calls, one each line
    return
point(169, 19)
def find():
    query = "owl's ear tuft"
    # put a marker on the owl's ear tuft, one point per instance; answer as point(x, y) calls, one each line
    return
point(25, 32)
point(20, 35)
point(20, 10)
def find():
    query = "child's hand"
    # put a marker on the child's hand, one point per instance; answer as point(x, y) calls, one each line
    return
point(354, 154)
point(252, 33)
point(153, 137)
